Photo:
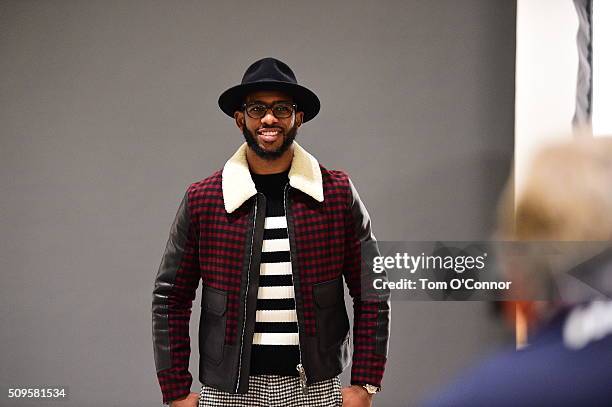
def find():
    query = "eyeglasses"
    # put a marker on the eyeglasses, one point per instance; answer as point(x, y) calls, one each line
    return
point(280, 110)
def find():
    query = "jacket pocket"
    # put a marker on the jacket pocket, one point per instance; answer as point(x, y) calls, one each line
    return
point(213, 320)
point(331, 319)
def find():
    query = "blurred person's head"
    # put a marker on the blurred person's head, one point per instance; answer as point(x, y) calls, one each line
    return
point(564, 206)
point(566, 197)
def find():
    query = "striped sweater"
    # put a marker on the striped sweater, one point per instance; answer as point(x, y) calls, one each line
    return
point(275, 341)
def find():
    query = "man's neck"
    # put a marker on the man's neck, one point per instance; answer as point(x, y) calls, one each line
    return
point(259, 165)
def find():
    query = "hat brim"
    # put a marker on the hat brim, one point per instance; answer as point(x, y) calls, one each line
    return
point(304, 98)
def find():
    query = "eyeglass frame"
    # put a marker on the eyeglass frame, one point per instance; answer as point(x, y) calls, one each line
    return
point(270, 108)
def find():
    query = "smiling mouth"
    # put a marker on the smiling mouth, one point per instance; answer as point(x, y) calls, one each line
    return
point(269, 134)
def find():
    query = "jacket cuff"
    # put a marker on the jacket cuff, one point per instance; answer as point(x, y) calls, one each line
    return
point(174, 384)
point(368, 369)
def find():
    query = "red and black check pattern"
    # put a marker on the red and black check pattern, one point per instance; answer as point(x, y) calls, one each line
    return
point(326, 246)
point(222, 244)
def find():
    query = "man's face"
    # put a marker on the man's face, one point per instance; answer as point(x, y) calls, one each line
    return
point(269, 137)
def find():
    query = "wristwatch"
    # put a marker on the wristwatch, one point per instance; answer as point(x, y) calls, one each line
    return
point(370, 388)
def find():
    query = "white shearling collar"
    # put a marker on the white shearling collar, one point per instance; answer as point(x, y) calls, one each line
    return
point(238, 186)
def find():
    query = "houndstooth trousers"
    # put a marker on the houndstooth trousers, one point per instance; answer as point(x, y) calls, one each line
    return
point(276, 391)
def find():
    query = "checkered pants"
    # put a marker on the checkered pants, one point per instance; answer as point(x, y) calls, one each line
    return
point(276, 391)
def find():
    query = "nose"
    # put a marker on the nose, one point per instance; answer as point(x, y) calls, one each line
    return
point(269, 118)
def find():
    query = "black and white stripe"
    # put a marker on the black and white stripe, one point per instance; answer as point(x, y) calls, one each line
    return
point(275, 348)
point(276, 320)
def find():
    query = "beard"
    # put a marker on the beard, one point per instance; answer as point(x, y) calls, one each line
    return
point(269, 155)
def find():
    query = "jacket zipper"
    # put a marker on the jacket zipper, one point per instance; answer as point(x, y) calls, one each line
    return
point(300, 366)
point(245, 298)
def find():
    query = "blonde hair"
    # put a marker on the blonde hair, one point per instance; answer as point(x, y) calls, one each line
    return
point(567, 195)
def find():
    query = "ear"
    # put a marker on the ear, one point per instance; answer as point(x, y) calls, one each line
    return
point(299, 118)
point(239, 118)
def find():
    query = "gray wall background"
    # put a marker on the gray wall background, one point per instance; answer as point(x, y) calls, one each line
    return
point(108, 111)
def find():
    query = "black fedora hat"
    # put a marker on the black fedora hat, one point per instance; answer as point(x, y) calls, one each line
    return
point(270, 74)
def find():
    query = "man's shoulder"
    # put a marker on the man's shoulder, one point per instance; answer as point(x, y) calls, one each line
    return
point(207, 186)
point(547, 371)
point(334, 177)
point(336, 183)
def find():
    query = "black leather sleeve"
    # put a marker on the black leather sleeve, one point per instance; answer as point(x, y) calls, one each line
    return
point(174, 291)
point(369, 250)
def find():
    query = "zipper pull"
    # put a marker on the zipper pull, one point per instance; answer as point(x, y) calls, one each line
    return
point(303, 379)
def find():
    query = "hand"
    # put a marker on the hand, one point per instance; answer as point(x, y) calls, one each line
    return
point(356, 396)
point(190, 400)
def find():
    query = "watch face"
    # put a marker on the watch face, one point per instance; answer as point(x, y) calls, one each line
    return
point(370, 389)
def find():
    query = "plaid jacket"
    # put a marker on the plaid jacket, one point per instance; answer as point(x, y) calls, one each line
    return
point(216, 237)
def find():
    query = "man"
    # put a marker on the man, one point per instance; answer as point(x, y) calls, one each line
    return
point(271, 236)
point(568, 362)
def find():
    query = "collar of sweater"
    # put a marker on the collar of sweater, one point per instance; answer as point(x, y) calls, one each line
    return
point(238, 186)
